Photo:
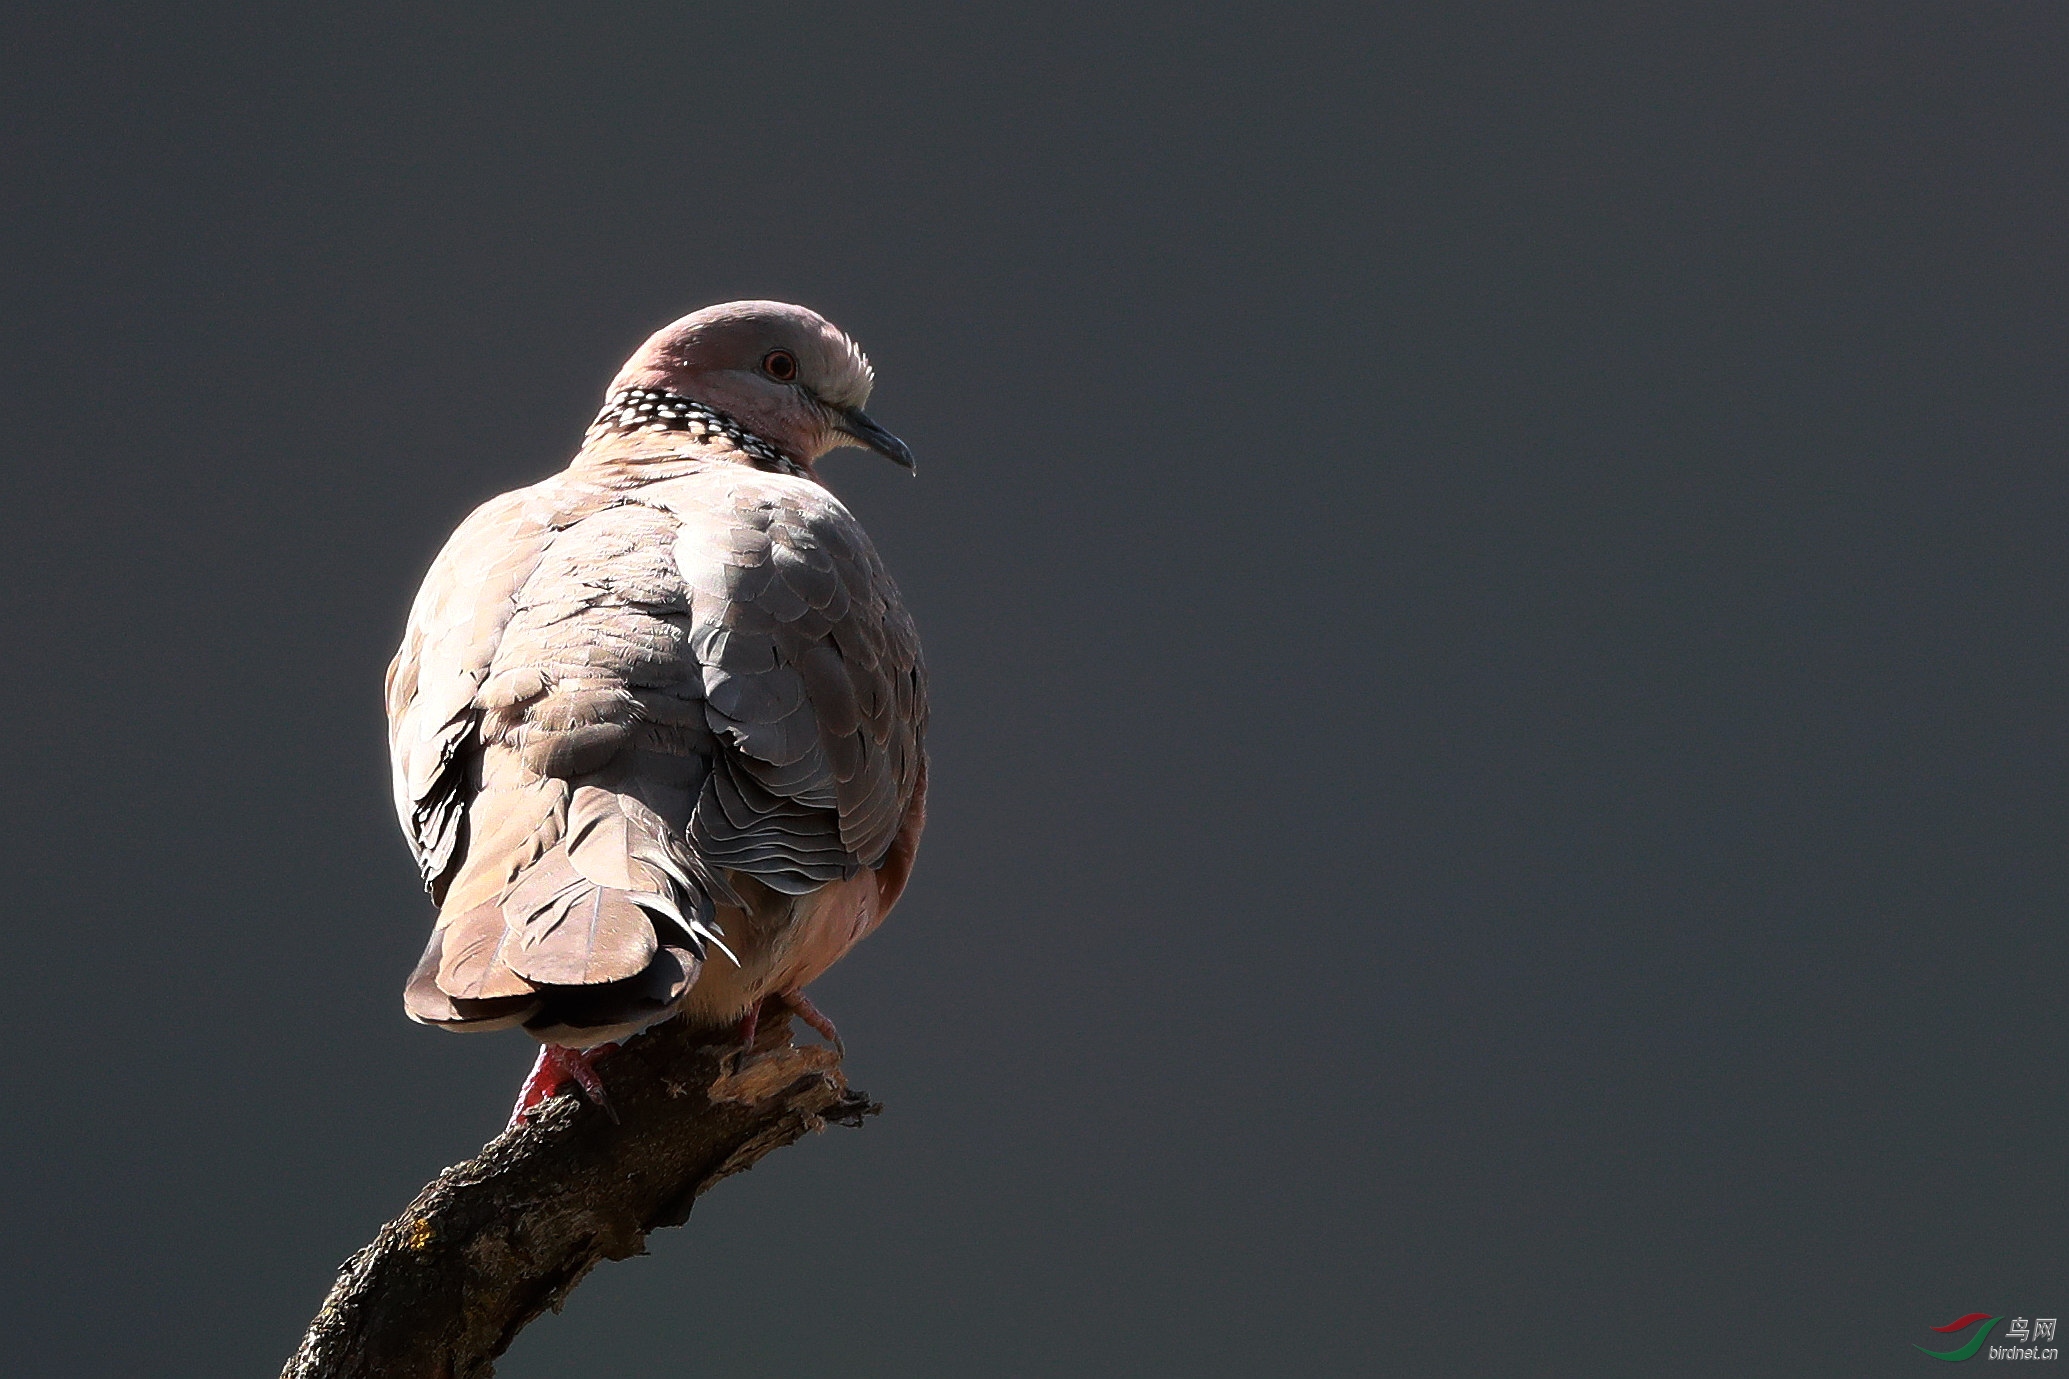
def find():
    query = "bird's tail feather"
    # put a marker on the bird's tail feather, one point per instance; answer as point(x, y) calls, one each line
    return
point(576, 912)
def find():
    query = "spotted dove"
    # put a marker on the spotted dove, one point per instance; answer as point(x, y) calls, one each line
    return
point(657, 723)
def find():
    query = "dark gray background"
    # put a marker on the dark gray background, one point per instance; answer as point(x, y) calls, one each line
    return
point(1494, 590)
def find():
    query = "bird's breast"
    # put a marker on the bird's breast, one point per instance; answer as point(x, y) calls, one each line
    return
point(783, 943)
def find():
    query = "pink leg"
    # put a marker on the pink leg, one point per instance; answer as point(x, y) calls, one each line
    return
point(744, 1032)
point(557, 1066)
point(810, 1014)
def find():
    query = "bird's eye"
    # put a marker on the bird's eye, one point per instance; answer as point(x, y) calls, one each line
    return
point(780, 365)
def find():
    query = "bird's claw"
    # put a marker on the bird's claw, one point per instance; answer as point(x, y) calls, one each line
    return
point(813, 1016)
point(556, 1067)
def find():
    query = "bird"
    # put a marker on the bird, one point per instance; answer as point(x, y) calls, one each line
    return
point(657, 723)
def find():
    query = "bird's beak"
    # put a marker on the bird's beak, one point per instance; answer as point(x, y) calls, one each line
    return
point(854, 423)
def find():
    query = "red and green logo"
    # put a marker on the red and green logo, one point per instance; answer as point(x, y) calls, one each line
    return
point(1972, 1345)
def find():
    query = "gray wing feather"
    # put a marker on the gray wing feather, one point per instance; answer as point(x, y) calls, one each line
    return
point(813, 684)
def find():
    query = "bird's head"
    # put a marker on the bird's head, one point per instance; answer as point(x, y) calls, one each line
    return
point(785, 373)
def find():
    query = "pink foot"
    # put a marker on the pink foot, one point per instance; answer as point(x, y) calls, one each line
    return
point(558, 1066)
point(810, 1014)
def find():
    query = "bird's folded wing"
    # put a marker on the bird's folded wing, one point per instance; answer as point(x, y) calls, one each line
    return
point(813, 684)
point(459, 616)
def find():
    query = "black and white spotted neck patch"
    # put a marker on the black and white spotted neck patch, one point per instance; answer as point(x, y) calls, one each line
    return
point(654, 409)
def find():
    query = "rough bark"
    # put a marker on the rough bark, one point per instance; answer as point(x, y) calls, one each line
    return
point(491, 1243)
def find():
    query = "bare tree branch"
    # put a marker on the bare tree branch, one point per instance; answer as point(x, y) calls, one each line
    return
point(493, 1242)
